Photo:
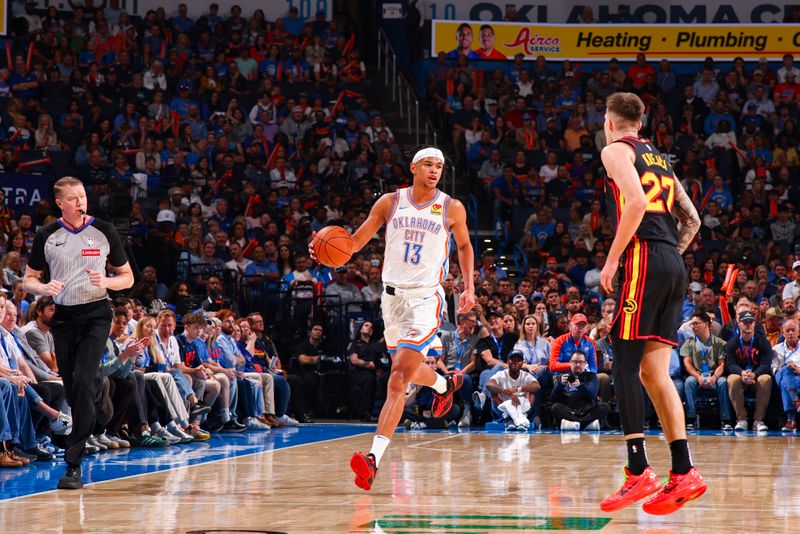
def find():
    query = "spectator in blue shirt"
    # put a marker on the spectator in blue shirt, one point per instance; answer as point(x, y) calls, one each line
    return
point(213, 17)
point(565, 102)
point(706, 88)
point(181, 23)
point(293, 22)
point(24, 84)
point(155, 39)
point(482, 150)
point(543, 228)
point(665, 78)
point(183, 102)
point(692, 296)
point(295, 68)
point(222, 215)
point(578, 272)
point(195, 355)
point(719, 113)
point(721, 194)
point(260, 275)
point(505, 189)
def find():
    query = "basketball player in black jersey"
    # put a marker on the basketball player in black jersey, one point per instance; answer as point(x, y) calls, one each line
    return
point(644, 198)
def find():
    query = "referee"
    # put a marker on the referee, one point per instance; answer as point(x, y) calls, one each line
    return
point(74, 250)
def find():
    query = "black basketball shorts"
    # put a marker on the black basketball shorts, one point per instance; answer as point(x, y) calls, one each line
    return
point(652, 286)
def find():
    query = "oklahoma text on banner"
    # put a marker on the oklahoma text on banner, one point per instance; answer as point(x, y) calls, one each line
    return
point(588, 42)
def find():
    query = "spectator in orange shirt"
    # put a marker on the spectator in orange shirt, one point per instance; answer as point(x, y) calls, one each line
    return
point(576, 340)
point(639, 72)
point(573, 133)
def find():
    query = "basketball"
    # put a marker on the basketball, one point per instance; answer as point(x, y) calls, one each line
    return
point(333, 246)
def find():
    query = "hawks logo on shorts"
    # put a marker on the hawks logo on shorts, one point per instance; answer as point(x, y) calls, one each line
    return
point(630, 306)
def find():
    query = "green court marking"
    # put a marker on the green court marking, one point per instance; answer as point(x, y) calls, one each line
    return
point(397, 524)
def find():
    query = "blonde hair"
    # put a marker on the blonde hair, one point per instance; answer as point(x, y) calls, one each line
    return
point(164, 314)
point(153, 348)
point(63, 183)
point(521, 326)
point(13, 254)
point(43, 117)
point(601, 326)
point(212, 336)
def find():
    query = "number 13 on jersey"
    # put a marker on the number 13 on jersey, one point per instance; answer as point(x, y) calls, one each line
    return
point(654, 186)
point(412, 252)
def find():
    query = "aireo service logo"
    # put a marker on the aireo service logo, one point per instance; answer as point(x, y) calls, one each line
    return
point(536, 44)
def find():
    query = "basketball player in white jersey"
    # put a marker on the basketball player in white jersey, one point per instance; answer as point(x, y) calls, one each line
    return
point(419, 223)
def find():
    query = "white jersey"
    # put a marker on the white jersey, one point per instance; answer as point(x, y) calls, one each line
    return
point(417, 242)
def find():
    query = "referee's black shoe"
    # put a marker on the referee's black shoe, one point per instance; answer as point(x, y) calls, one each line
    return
point(72, 478)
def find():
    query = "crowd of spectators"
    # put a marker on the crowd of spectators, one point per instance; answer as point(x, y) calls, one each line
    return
point(529, 134)
point(217, 145)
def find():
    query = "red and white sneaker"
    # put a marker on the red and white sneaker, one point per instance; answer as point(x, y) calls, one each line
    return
point(363, 465)
point(442, 403)
point(635, 487)
point(679, 490)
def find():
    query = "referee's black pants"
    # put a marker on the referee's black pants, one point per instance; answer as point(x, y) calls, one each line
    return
point(79, 335)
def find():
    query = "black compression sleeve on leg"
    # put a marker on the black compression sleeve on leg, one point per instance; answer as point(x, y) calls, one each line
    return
point(627, 384)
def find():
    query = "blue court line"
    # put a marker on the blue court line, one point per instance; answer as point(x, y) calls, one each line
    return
point(41, 477)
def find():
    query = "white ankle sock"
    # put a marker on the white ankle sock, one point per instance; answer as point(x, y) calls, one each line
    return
point(379, 444)
point(440, 386)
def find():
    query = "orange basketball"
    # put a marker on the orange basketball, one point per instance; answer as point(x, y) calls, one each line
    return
point(333, 246)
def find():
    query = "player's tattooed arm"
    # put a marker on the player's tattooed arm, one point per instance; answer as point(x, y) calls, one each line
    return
point(688, 219)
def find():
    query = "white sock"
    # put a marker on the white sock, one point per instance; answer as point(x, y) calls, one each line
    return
point(440, 386)
point(379, 444)
point(172, 425)
point(155, 427)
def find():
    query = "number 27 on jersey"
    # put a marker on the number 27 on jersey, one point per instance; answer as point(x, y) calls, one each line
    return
point(655, 185)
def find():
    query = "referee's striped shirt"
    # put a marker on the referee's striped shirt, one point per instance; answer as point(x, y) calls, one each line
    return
point(66, 254)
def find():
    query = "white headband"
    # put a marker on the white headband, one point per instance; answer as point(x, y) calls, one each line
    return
point(429, 152)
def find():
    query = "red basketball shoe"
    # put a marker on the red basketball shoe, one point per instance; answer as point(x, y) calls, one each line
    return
point(634, 488)
point(679, 490)
point(442, 403)
point(363, 465)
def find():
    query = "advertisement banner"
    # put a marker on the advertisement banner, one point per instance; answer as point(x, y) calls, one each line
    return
point(24, 191)
point(5, 11)
point(597, 42)
point(647, 12)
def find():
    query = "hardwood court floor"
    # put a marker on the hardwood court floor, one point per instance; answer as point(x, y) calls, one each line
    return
point(473, 482)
